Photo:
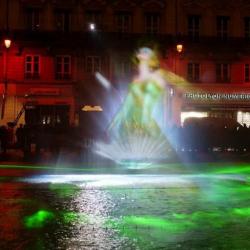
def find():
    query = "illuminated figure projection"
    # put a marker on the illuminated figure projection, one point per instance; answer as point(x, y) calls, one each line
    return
point(135, 133)
point(136, 114)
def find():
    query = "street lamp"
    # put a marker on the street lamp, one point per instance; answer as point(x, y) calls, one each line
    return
point(171, 92)
point(92, 27)
point(179, 47)
point(7, 44)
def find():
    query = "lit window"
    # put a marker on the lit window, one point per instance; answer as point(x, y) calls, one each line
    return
point(32, 67)
point(123, 68)
point(192, 114)
point(194, 27)
point(247, 27)
point(247, 73)
point(123, 22)
point(152, 23)
point(93, 64)
point(63, 67)
point(224, 114)
point(33, 19)
point(222, 27)
point(222, 72)
point(193, 72)
point(62, 20)
point(243, 118)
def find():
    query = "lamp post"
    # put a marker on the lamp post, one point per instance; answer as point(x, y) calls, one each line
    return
point(7, 44)
point(179, 47)
point(171, 89)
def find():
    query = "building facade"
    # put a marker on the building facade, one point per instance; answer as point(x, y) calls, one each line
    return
point(48, 74)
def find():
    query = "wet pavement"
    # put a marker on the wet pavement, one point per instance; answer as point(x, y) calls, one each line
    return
point(161, 207)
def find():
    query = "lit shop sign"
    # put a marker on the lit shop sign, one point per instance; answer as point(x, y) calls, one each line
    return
point(88, 108)
point(217, 96)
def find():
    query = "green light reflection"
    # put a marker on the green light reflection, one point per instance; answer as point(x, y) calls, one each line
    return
point(64, 190)
point(74, 217)
point(235, 169)
point(38, 219)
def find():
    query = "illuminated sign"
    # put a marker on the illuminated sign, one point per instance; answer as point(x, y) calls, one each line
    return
point(217, 96)
point(88, 108)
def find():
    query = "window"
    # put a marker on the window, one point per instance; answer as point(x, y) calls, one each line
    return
point(222, 27)
point(53, 115)
point(193, 72)
point(243, 118)
point(247, 73)
point(247, 27)
point(123, 22)
point(194, 27)
point(93, 64)
point(32, 66)
point(222, 72)
point(123, 68)
point(224, 114)
point(62, 18)
point(192, 114)
point(33, 19)
point(94, 16)
point(152, 23)
point(63, 68)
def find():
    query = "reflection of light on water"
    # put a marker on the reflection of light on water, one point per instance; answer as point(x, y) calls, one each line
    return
point(89, 181)
point(106, 181)
point(97, 217)
point(97, 206)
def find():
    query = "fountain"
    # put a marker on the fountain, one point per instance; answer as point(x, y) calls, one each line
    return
point(136, 136)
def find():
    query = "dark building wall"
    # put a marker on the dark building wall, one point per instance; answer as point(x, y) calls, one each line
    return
point(38, 28)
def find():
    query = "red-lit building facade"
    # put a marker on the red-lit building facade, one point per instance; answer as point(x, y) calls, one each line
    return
point(49, 68)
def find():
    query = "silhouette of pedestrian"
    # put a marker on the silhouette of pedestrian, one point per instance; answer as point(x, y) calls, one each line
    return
point(4, 139)
point(20, 136)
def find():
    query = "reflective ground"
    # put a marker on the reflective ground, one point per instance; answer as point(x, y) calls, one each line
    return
point(192, 207)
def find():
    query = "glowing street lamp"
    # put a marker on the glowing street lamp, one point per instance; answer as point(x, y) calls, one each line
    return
point(7, 43)
point(92, 27)
point(179, 47)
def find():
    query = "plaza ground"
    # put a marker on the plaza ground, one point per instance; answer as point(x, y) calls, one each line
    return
point(60, 205)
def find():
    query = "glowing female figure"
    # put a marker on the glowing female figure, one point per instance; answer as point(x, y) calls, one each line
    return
point(134, 133)
point(145, 91)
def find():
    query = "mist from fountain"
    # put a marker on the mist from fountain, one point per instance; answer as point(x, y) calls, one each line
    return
point(135, 135)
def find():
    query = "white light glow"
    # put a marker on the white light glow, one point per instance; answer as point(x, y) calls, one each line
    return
point(113, 180)
point(243, 118)
point(192, 114)
point(138, 149)
point(92, 26)
point(90, 181)
point(171, 92)
point(104, 81)
point(7, 43)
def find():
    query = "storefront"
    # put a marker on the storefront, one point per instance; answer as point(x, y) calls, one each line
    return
point(40, 105)
point(219, 101)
